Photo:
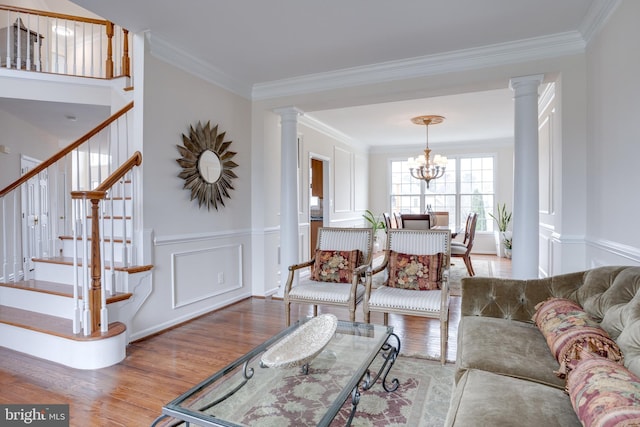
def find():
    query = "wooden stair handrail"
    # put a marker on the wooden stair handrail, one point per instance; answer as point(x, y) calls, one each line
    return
point(53, 14)
point(60, 154)
point(101, 190)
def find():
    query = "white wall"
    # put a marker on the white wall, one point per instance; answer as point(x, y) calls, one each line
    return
point(201, 257)
point(22, 139)
point(612, 150)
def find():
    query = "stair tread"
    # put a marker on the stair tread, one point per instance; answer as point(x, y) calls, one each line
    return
point(60, 289)
point(52, 325)
point(118, 266)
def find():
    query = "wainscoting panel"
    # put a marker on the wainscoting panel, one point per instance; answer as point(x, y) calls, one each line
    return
point(545, 259)
point(204, 273)
point(361, 186)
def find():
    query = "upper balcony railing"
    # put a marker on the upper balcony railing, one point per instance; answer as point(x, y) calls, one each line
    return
point(62, 44)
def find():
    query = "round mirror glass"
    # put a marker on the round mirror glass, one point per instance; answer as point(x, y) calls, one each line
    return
point(209, 166)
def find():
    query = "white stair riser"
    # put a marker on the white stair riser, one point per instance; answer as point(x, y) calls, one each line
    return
point(118, 207)
point(105, 250)
point(40, 302)
point(118, 228)
point(54, 272)
point(62, 273)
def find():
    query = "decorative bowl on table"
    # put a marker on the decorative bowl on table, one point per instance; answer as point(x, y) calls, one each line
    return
point(303, 344)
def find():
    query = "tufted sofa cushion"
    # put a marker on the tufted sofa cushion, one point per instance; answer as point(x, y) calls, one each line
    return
point(608, 294)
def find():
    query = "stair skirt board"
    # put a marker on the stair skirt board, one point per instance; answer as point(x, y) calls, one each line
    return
point(84, 354)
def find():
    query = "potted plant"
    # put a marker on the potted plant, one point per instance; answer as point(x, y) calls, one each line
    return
point(503, 219)
point(507, 247)
point(377, 224)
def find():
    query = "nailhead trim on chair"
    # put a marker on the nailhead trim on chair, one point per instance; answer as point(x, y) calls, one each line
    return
point(398, 298)
point(324, 291)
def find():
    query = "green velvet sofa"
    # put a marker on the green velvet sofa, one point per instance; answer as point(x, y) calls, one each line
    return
point(504, 368)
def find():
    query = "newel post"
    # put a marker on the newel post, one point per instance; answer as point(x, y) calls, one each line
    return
point(109, 63)
point(95, 292)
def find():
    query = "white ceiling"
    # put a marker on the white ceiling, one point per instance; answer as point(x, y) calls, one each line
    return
point(264, 41)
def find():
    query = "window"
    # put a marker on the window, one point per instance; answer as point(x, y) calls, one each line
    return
point(467, 186)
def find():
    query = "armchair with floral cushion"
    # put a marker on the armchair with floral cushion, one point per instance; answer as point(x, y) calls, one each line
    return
point(416, 270)
point(336, 271)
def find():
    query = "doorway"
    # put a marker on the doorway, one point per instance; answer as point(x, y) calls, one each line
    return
point(35, 215)
point(318, 198)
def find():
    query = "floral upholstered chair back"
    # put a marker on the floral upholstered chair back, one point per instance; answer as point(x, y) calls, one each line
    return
point(347, 239)
point(421, 247)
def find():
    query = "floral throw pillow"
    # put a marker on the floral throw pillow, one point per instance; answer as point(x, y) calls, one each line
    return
point(572, 334)
point(604, 393)
point(335, 266)
point(417, 272)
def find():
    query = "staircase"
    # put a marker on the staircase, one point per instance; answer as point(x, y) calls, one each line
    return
point(70, 276)
point(72, 302)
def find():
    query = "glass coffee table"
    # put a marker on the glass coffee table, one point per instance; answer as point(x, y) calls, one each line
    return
point(245, 393)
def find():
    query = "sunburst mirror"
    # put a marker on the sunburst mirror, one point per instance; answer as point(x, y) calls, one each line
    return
point(206, 165)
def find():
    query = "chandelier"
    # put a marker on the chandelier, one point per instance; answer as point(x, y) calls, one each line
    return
point(422, 167)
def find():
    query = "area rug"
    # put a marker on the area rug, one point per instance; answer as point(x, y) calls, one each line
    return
point(421, 400)
point(458, 270)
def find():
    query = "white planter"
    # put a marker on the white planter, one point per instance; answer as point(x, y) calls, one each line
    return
point(499, 235)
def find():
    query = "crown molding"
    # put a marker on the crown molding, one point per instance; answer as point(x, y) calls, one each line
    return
point(475, 146)
point(462, 60)
point(331, 132)
point(166, 52)
point(597, 16)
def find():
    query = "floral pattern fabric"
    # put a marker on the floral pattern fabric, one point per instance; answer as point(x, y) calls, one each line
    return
point(335, 266)
point(416, 272)
point(604, 394)
point(572, 334)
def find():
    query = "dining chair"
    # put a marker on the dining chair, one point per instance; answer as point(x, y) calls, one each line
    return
point(416, 267)
point(336, 271)
point(390, 221)
point(463, 250)
point(416, 221)
point(439, 218)
point(398, 218)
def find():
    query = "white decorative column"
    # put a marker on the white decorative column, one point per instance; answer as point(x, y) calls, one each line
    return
point(289, 251)
point(525, 171)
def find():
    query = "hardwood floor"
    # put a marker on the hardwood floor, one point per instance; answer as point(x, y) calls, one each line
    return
point(159, 368)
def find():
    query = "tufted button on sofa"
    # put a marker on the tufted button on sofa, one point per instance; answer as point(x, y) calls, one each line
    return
point(505, 370)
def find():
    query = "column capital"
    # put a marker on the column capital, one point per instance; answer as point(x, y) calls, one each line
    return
point(289, 113)
point(534, 80)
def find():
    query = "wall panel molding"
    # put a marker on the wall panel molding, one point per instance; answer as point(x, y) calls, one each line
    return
point(203, 273)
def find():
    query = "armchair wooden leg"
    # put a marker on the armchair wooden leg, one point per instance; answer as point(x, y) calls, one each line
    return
point(386, 319)
point(315, 310)
point(367, 316)
point(444, 335)
point(287, 313)
point(352, 314)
